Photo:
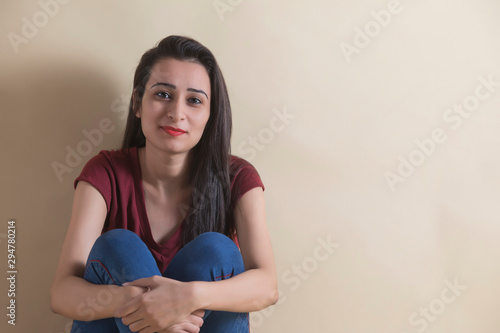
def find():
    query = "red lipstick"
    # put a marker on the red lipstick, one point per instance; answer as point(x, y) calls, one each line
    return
point(173, 131)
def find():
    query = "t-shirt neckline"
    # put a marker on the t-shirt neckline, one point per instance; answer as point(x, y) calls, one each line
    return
point(171, 242)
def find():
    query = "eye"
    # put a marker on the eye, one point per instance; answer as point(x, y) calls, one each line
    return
point(163, 94)
point(194, 100)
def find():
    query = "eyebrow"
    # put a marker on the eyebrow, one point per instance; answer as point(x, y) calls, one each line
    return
point(198, 91)
point(174, 87)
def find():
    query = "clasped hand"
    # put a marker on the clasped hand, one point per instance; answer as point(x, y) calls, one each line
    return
point(160, 305)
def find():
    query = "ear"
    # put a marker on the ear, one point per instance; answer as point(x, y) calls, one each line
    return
point(137, 103)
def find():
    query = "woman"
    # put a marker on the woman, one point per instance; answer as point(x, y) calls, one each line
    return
point(151, 245)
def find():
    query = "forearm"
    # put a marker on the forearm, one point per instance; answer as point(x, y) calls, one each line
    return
point(249, 291)
point(75, 298)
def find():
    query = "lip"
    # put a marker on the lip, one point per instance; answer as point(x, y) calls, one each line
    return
point(173, 131)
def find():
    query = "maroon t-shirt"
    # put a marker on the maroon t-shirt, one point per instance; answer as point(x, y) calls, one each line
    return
point(116, 174)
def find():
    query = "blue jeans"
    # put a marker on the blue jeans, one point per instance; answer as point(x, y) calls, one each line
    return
point(120, 256)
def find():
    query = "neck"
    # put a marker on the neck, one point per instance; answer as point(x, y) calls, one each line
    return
point(166, 173)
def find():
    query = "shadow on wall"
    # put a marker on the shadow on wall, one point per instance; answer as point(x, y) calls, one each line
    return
point(49, 110)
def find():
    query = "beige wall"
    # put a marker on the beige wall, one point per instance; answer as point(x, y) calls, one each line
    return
point(353, 116)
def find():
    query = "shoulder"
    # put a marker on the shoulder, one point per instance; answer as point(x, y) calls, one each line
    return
point(108, 164)
point(111, 172)
point(235, 163)
point(244, 177)
point(239, 167)
point(120, 157)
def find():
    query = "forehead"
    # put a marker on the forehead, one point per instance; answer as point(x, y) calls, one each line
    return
point(183, 74)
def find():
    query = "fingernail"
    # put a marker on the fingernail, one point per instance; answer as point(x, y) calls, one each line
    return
point(125, 284)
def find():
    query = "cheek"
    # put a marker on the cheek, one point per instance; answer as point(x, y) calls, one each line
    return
point(205, 120)
point(201, 119)
point(151, 106)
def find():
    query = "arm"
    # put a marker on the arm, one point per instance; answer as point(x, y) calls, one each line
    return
point(70, 294)
point(252, 290)
point(256, 288)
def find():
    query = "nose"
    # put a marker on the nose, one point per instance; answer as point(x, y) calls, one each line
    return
point(176, 111)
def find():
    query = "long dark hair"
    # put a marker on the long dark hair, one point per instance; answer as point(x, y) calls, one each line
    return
point(208, 163)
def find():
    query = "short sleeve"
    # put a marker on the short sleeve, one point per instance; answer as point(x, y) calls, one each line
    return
point(244, 177)
point(98, 172)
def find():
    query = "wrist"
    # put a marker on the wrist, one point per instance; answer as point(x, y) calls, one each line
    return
point(196, 294)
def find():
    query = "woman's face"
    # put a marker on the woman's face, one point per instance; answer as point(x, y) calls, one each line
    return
point(175, 106)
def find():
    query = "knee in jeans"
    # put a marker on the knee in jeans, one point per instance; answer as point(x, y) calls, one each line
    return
point(116, 235)
point(217, 245)
point(115, 239)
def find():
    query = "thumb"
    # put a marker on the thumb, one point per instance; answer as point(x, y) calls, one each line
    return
point(144, 282)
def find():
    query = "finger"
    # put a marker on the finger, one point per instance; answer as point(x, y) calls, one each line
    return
point(148, 330)
point(184, 327)
point(128, 308)
point(139, 326)
point(199, 313)
point(190, 328)
point(133, 318)
point(195, 320)
point(144, 282)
